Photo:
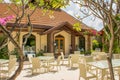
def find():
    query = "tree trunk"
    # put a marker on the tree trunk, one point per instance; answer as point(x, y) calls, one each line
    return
point(20, 53)
point(109, 58)
point(20, 66)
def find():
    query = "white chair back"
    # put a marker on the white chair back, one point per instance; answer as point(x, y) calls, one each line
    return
point(76, 52)
point(82, 68)
point(74, 58)
point(88, 58)
point(29, 57)
point(48, 54)
point(58, 60)
point(62, 55)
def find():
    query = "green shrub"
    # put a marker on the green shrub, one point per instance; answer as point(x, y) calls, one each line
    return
point(14, 52)
point(88, 52)
point(116, 46)
point(40, 53)
point(4, 53)
point(95, 44)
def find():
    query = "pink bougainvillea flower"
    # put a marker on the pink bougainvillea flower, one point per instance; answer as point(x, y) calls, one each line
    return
point(9, 18)
point(3, 21)
point(94, 32)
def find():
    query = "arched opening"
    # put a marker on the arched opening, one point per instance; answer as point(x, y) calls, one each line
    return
point(29, 47)
point(82, 43)
point(59, 45)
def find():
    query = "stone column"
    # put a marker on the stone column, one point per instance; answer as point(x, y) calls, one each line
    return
point(73, 42)
point(87, 42)
point(50, 41)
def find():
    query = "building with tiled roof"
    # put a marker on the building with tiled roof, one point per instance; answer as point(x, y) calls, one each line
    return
point(51, 32)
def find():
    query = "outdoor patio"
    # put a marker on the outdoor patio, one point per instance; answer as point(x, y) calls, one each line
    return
point(73, 68)
point(64, 74)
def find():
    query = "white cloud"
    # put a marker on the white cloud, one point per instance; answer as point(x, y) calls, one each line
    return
point(74, 9)
point(7, 0)
point(95, 23)
point(70, 12)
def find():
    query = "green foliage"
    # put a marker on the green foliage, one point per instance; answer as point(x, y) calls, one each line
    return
point(82, 52)
point(57, 3)
point(32, 43)
point(117, 17)
point(116, 50)
point(86, 32)
point(77, 26)
point(40, 53)
point(95, 44)
point(88, 52)
point(2, 37)
point(105, 48)
point(16, 1)
point(41, 3)
point(116, 46)
point(19, 2)
point(48, 4)
point(1, 1)
point(107, 32)
point(14, 52)
point(4, 53)
point(31, 6)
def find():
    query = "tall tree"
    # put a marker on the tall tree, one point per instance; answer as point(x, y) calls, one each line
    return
point(109, 12)
point(20, 8)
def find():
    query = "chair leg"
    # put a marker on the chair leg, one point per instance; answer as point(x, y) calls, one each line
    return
point(119, 77)
point(79, 77)
point(62, 62)
point(32, 72)
point(60, 67)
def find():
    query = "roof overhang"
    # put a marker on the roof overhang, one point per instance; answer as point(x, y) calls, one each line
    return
point(25, 26)
point(63, 24)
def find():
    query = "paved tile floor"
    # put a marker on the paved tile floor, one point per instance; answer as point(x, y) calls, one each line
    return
point(65, 73)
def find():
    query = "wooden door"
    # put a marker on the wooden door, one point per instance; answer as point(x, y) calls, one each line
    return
point(60, 45)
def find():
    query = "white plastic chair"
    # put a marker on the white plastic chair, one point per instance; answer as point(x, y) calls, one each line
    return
point(84, 73)
point(57, 63)
point(76, 52)
point(36, 65)
point(74, 59)
point(63, 58)
point(48, 54)
point(29, 57)
point(10, 68)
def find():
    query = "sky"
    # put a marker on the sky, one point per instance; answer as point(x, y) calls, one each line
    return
point(73, 9)
point(95, 23)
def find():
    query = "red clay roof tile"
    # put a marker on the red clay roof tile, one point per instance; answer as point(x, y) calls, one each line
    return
point(38, 18)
